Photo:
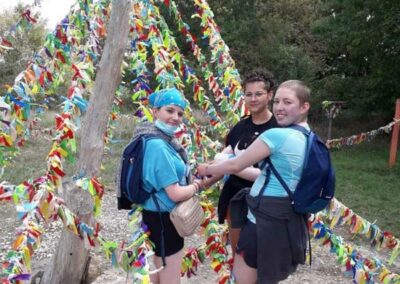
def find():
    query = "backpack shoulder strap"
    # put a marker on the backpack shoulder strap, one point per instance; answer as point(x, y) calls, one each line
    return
point(280, 179)
point(149, 136)
point(309, 138)
point(300, 128)
point(266, 181)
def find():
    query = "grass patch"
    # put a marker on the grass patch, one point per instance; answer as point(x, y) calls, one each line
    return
point(366, 184)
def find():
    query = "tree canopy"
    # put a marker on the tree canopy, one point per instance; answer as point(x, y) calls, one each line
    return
point(362, 52)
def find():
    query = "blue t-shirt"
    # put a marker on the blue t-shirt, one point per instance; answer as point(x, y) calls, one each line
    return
point(287, 147)
point(162, 166)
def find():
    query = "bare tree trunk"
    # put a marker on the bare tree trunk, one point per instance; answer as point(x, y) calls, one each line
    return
point(71, 258)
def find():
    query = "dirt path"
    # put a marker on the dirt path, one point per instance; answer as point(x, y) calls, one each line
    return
point(324, 269)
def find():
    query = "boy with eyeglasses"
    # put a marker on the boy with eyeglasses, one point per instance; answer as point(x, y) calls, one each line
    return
point(258, 87)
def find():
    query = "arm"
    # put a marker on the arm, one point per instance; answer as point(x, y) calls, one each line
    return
point(257, 151)
point(208, 182)
point(178, 192)
point(250, 173)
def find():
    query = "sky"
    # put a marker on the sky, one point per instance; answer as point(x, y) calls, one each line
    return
point(52, 10)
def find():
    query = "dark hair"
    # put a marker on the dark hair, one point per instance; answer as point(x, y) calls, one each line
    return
point(260, 75)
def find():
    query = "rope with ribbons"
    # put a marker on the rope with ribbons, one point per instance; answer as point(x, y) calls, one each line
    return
point(362, 137)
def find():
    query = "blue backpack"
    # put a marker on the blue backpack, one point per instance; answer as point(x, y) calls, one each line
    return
point(129, 180)
point(130, 189)
point(317, 183)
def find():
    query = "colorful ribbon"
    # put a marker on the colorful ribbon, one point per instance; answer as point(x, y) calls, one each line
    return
point(362, 137)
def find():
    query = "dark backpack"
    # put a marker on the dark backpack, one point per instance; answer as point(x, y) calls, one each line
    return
point(130, 189)
point(129, 178)
point(317, 183)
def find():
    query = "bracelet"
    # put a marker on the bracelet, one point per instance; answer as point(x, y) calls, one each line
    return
point(196, 188)
point(199, 187)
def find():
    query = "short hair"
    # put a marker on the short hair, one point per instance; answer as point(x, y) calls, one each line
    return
point(303, 93)
point(260, 75)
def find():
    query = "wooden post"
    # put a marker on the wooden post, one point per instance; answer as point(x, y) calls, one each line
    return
point(70, 261)
point(330, 118)
point(395, 137)
point(332, 109)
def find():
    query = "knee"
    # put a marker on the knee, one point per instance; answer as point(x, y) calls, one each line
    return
point(240, 279)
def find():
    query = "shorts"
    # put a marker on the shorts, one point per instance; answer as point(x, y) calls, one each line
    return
point(173, 242)
point(247, 245)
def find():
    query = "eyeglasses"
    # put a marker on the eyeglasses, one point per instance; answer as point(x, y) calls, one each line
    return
point(257, 95)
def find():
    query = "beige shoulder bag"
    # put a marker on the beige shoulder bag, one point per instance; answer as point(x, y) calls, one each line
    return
point(187, 216)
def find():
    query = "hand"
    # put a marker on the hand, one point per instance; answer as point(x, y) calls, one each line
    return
point(202, 169)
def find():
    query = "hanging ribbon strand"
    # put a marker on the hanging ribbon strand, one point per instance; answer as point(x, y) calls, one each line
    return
point(25, 21)
point(362, 137)
point(37, 199)
point(220, 55)
point(362, 269)
point(152, 32)
point(209, 77)
point(44, 205)
point(49, 69)
point(340, 214)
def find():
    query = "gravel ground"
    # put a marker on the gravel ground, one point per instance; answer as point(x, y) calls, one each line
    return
point(324, 268)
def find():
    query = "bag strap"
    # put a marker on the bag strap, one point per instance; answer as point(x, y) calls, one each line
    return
point(266, 181)
point(300, 128)
point(306, 133)
point(290, 194)
point(149, 136)
point(280, 179)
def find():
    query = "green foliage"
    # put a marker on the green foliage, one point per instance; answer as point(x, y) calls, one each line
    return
point(362, 52)
point(25, 40)
point(270, 34)
point(275, 35)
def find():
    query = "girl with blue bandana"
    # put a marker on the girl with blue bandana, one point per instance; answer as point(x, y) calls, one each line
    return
point(165, 171)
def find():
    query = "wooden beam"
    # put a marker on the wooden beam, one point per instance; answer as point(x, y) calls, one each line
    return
point(69, 262)
point(395, 137)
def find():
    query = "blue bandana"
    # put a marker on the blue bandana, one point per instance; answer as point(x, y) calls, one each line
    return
point(167, 97)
